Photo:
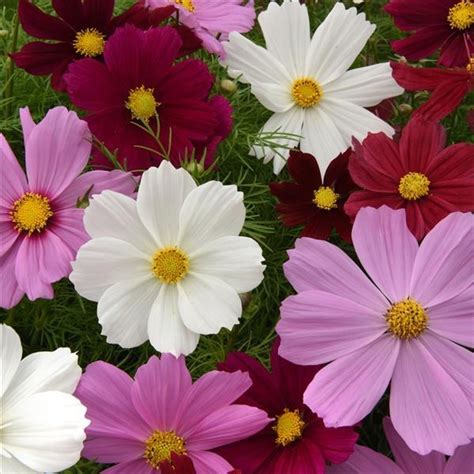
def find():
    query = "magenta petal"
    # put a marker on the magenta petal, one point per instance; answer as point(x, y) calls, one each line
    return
point(112, 449)
point(10, 292)
point(8, 232)
point(13, 178)
point(462, 460)
point(299, 459)
point(206, 462)
point(345, 391)
point(139, 466)
point(68, 226)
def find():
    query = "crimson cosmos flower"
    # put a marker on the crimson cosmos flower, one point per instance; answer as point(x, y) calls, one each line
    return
point(445, 24)
point(448, 87)
point(80, 30)
point(137, 82)
point(417, 174)
point(297, 442)
point(316, 203)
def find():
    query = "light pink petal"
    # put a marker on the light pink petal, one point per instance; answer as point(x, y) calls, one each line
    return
point(226, 425)
point(57, 151)
point(365, 461)
point(386, 249)
point(209, 463)
point(209, 393)
point(139, 466)
point(318, 327)
point(427, 407)
point(408, 460)
point(318, 265)
point(462, 460)
point(13, 178)
point(443, 266)
point(8, 236)
point(159, 387)
point(68, 226)
point(111, 450)
point(7, 153)
point(27, 123)
point(347, 390)
point(453, 318)
point(10, 293)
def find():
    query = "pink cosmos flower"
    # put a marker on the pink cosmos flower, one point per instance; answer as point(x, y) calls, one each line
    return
point(212, 20)
point(404, 326)
point(365, 461)
point(40, 221)
point(145, 424)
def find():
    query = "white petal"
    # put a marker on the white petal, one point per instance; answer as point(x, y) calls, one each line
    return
point(365, 86)
point(46, 431)
point(112, 214)
point(10, 356)
point(102, 262)
point(160, 198)
point(235, 260)
point(209, 212)
point(11, 465)
point(336, 43)
point(166, 328)
point(207, 304)
point(124, 310)
point(287, 34)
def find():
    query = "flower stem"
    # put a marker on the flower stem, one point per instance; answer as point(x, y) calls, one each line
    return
point(11, 65)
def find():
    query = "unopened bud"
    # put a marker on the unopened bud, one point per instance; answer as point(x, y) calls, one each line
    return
point(3, 33)
point(405, 109)
point(228, 86)
point(245, 298)
point(194, 167)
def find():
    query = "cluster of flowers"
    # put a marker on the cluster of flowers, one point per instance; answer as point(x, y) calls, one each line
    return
point(166, 263)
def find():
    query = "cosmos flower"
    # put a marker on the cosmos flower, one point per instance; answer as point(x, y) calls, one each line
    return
point(316, 203)
point(417, 174)
point(161, 416)
point(169, 266)
point(212, 20)
point(43, 424)
point(307, 84)
point(132, 89)
point(297, 442)
point(404, 328)
point(41, 213)
point(448, 87)
point(435, 24)
point(80, 30)
point(364, 460)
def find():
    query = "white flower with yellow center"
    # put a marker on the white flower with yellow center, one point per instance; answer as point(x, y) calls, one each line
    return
point(307, 84)
point(42, 425)
point(170, 265)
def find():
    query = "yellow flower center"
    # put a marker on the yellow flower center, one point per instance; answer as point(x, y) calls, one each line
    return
point(187, 4)
point(160, 445)
point(461, 15)
point(306, 92)
point(325, 198)
point(470, 64)
point(31, 212)
point(414, 186)
point(289, 427)
point(170, 265)
point(142, 103)
point(89, 42)
point(407, 319)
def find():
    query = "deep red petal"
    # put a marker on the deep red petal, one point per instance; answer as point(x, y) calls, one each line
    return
point(304, 169)
point(296, 214)
point(142, 17)
point(454, 162)
point(361, 199)
point(424, 214)
point(98, 13)
point(343, 225)
point(292, 193)
point(454, 51)
point(409, 16)
point(319, 226)
point(299, 458)
point(71, 12)
point(337, 168)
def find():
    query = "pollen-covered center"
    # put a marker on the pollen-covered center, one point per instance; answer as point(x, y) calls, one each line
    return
point(407, 319)
point(89, 42)
point(325, 198)
point(461, 15)
point(142, 103)
point(170, 265)
point(289, 427)
point(306, 92)
point(160, 445)
point(414, 186)
point(31, 212)
point(187, 4)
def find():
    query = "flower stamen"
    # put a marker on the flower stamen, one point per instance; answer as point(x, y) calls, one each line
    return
point(89, 42)
point(325, 198)
point(306, 92)
point(407, 319)
point(31, 213)
point(186, 4)
point(160, 445)
point(142, 103)
point(289, 427)
point(170, 265)
point(461, 15)
point(414, 186)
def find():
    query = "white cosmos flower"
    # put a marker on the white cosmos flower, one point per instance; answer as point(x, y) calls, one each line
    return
point(42, 425)
point(306, 81)
point(170, 265)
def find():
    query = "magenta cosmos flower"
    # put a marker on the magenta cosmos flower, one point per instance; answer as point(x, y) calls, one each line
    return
point(138, 83)
point(297, 442)
point(212, 20)
point(365, 461)
point(40, 222)
point(161, 415)
point(404, 326)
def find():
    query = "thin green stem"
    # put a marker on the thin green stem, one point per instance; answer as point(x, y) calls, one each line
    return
point(11, 65)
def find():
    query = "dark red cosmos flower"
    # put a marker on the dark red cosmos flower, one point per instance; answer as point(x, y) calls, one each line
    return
point(417, 174)
point(80, 30)
point(445, 24)
point(448, 87)
point(138, 81)
point(316, 203)
point(297, 442)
